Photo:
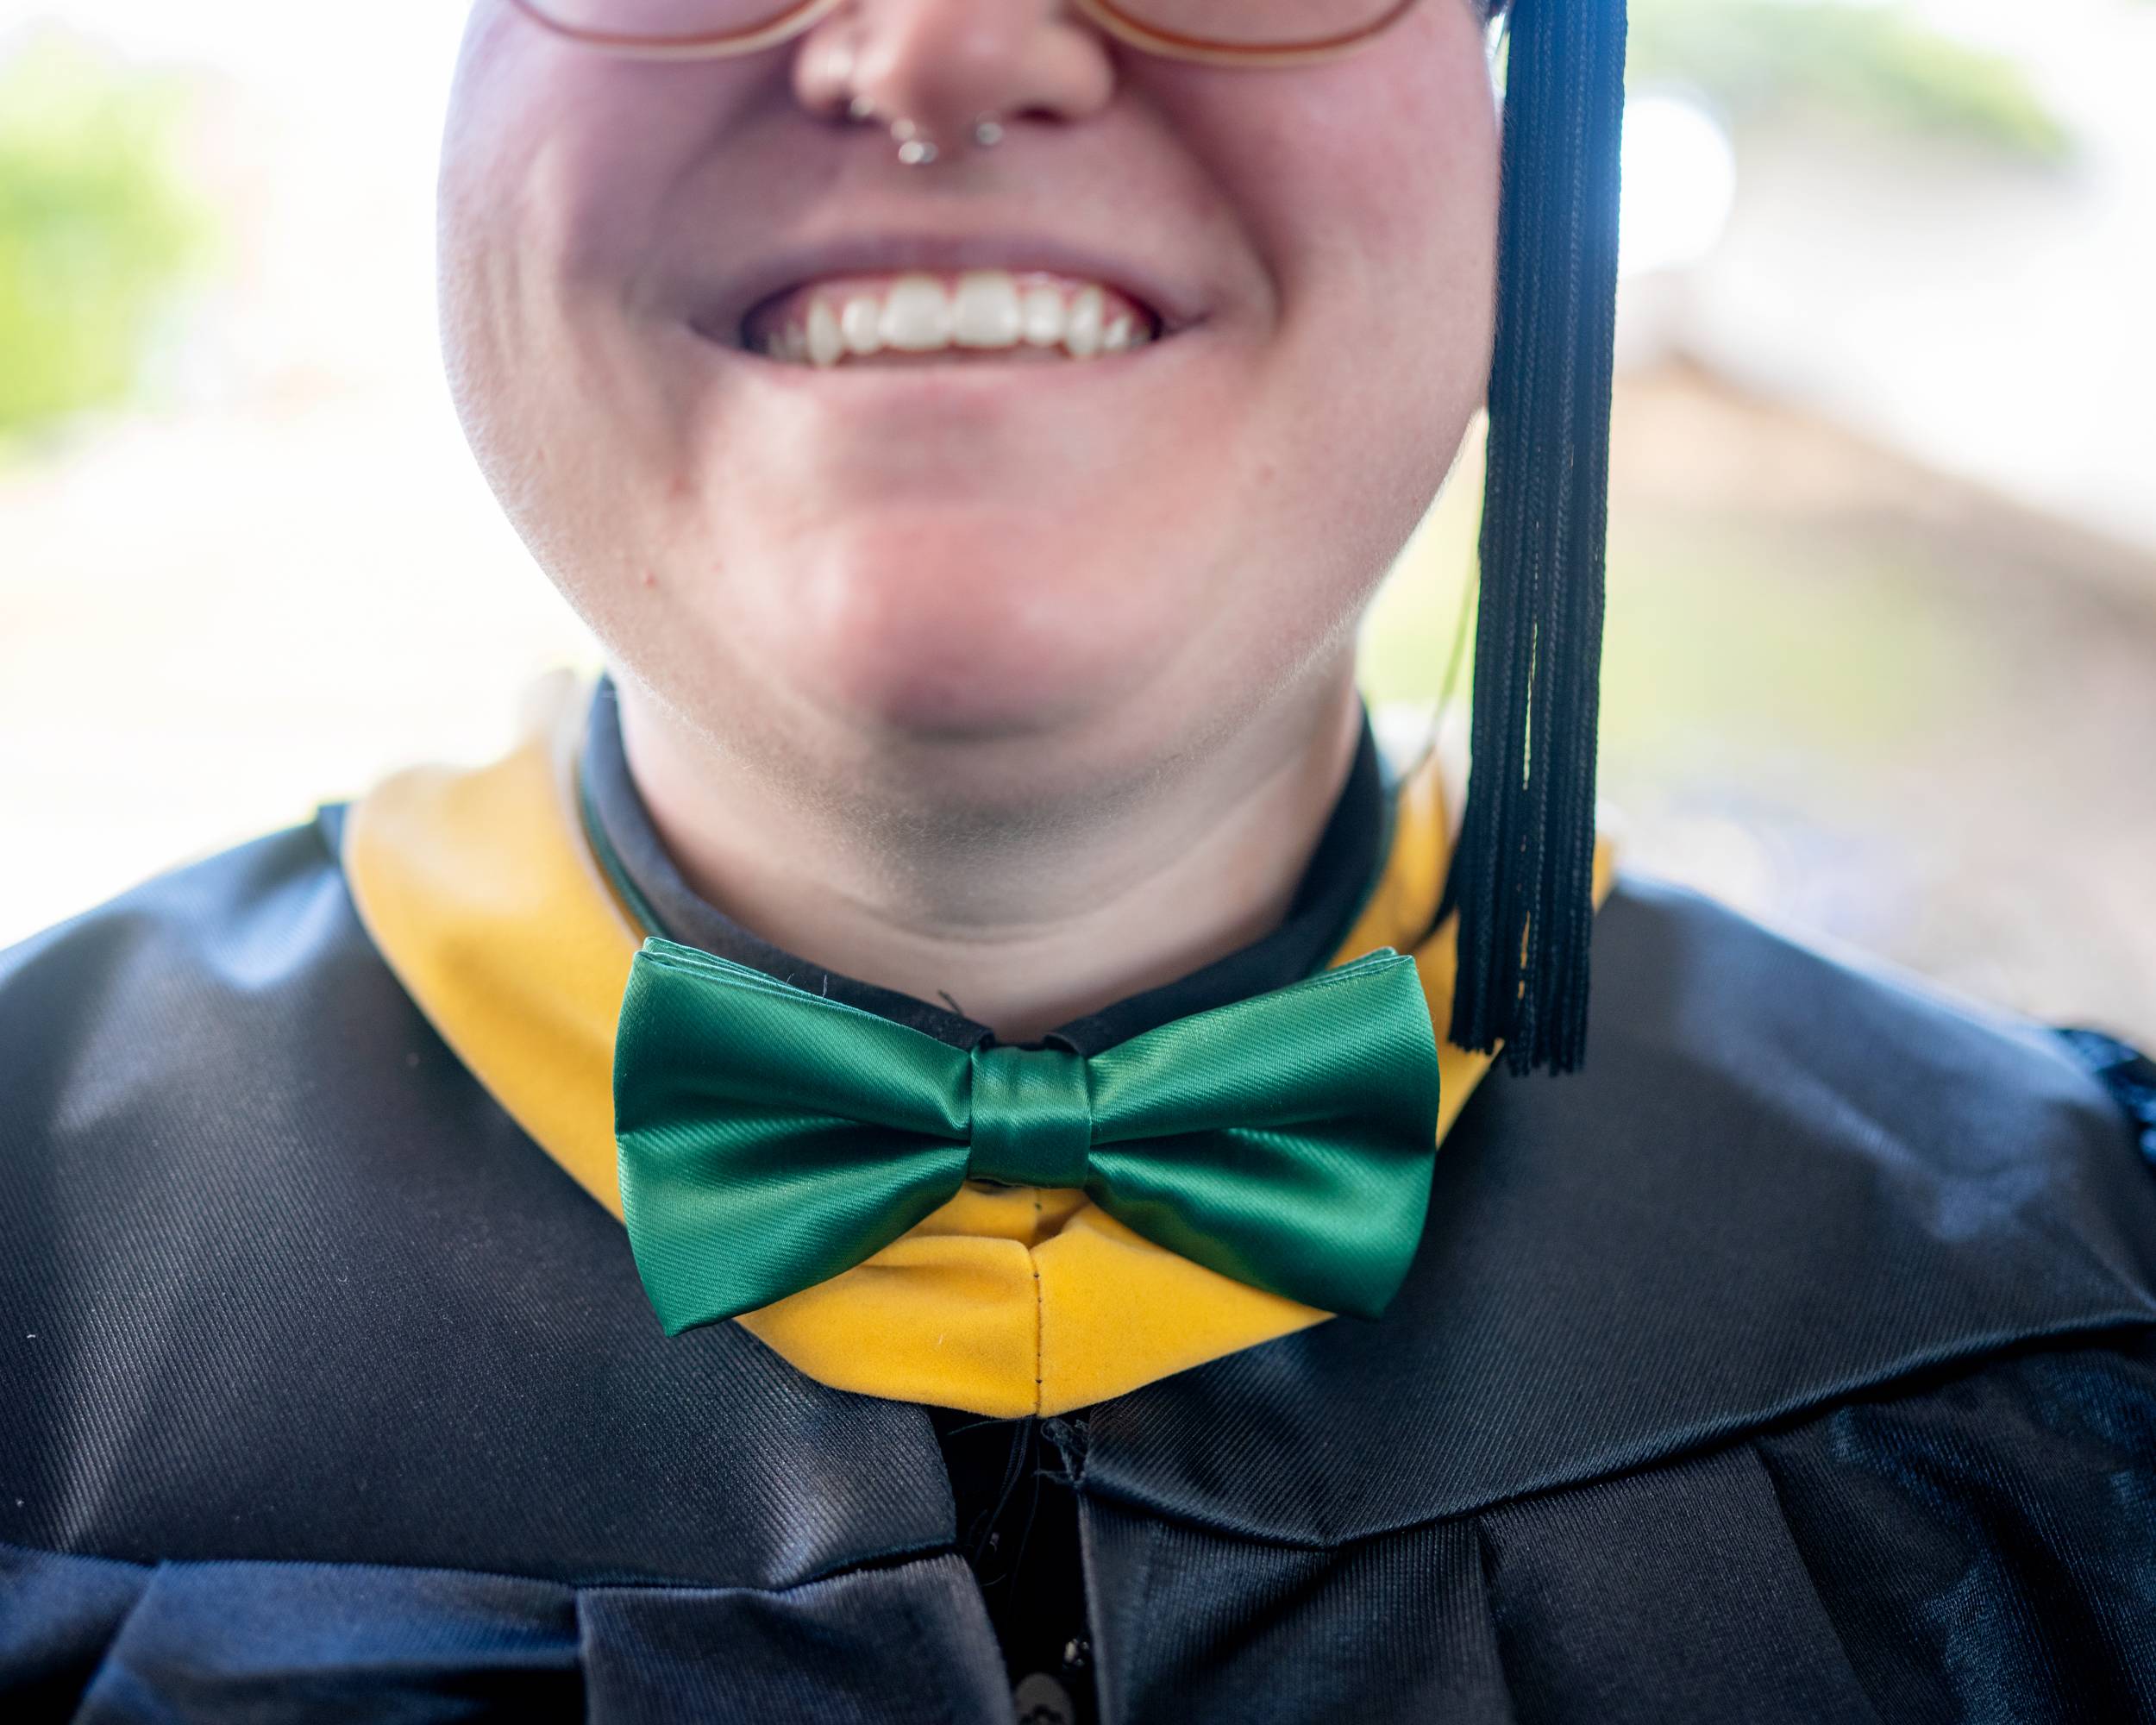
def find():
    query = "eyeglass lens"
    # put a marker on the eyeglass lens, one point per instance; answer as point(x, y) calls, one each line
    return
point(1219, 23)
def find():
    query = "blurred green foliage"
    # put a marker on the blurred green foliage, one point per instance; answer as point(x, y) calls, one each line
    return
point(1778, 61)
point(95, 230)
point(1729, 630)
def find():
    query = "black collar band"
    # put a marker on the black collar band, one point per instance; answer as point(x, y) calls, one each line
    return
point(1334, 887)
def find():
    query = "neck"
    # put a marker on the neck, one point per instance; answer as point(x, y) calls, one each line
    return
point(1022, 911)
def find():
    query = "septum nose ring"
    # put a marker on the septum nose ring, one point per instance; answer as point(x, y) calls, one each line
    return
point(916, 149)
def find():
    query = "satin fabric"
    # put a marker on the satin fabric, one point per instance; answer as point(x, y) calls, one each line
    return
point(1795, 1361)
point(771, 1139)
point(482, 895)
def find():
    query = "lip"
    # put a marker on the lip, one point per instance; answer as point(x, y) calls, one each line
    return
point(721, 318)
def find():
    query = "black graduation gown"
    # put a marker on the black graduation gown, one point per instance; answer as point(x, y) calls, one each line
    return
point(1794, 1362)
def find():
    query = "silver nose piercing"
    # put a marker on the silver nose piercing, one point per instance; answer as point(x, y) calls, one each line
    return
point(916, 149)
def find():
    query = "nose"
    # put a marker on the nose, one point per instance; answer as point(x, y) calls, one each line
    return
point(944, 64)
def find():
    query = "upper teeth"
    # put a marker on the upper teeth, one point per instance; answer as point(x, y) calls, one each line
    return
point(918, 313)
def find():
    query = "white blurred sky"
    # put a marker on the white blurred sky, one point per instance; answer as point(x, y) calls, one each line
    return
point(1993, 322)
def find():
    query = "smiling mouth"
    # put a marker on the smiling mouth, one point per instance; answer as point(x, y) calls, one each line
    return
point(918, 316)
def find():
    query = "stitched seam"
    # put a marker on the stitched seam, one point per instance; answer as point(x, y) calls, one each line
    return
point(1896, 1386)
point(897, 1557)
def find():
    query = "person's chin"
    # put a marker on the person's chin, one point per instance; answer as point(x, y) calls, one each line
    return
point(953, 687)
point(966, 648)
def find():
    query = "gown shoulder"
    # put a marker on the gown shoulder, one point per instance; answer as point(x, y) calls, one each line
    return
point(1794, 1361)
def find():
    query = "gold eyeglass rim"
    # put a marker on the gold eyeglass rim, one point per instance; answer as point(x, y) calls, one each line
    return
point(1104, 13)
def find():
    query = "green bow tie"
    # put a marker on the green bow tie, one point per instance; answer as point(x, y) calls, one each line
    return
point(771, 1139)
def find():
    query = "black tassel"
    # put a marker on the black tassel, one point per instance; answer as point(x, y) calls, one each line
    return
point(1523, 880)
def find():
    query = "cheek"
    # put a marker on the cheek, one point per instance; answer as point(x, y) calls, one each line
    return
point(1370, 187)
point(1382, 197)
point(555, 166)
point(555, 169)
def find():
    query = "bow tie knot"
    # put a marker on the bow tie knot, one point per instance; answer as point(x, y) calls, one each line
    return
point(1032, 1117)
point(771, 1139)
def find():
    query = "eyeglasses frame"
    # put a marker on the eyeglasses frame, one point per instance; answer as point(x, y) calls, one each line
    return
point(1104, 13)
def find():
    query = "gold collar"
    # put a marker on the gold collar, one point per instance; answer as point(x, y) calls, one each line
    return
point(480, 889)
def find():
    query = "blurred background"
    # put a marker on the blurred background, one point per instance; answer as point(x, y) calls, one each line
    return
point(1882, 654)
